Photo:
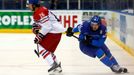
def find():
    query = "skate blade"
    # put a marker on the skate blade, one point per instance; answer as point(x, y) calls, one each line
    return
point(56, 73)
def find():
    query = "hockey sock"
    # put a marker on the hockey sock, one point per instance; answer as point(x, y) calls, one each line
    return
point(47, 56)
point(54, 58)
point(103, 58)
point(113, 60)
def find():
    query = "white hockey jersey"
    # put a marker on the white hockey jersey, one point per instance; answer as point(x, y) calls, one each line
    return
point(48, 21)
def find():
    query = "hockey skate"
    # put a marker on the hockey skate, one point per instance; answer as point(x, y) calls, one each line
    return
point(55, 69)
point(118, 69)
point(124, 70)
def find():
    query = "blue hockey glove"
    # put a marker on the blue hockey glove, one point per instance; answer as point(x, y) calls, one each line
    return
point(87, 39)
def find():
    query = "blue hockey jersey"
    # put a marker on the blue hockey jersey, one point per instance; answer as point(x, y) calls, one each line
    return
point(98, 37)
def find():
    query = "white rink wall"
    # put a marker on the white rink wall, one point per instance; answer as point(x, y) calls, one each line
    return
point(121, 26)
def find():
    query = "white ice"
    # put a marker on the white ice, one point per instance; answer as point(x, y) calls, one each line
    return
point(17, 57)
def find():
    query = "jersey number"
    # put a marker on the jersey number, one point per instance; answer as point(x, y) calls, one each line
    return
point(42, 15)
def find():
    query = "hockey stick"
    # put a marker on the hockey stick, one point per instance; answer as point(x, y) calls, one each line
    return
point(37, 51)
point(75, 37)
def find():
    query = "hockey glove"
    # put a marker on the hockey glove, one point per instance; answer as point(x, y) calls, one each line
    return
point(87, 39)
point(69, 32)
point(35, 28)
point(38, 38)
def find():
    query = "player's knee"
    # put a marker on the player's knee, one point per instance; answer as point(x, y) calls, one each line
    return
point(100, 54)
point(108, 53)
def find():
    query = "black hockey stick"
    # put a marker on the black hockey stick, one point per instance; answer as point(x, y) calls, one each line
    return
point(37, 51)
point(75, 37)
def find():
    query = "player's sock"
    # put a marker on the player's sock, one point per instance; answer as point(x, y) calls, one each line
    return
point(106, 61)
point(54, 58)
point(47, 56)
point(113, 60)
point(103, 58)
point(59, 69)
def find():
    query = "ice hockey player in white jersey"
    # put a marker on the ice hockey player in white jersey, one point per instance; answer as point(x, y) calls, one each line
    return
point(48, 31)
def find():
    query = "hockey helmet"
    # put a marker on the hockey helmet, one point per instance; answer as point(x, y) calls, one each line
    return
point(32, 1)
point(95, 20)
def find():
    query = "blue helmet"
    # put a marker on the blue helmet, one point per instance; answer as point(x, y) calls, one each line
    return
point(32, 1)
point(96, 20)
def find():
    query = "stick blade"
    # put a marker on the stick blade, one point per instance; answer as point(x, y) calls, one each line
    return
point(36, 53)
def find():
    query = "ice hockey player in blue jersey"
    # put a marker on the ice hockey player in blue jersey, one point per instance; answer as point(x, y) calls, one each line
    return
point(91, 39)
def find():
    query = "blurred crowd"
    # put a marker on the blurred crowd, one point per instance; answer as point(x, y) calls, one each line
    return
point(72, 4)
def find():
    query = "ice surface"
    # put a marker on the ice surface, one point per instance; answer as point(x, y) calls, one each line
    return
point(17, 57)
